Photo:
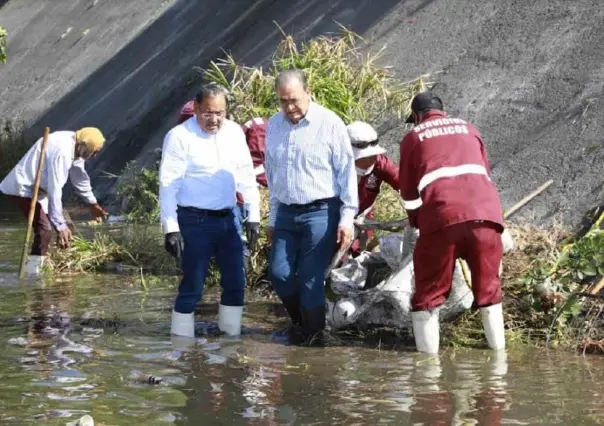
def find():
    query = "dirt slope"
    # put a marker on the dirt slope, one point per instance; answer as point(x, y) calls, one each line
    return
point(530, 77)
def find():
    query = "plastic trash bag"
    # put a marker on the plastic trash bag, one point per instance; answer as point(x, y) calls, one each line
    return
point(388, 303)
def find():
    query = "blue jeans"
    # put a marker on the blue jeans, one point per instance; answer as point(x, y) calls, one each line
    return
point(205, 237)
point(303, 246)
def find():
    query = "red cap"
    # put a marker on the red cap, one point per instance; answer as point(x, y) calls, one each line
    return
point(187, 111)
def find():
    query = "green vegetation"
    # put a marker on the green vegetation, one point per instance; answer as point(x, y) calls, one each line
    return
point(548, 280)
point(341, 77)
point(3, 34)
point(140, 190)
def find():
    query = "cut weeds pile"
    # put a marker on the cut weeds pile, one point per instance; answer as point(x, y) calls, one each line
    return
point(549, 281)
point(545, 276)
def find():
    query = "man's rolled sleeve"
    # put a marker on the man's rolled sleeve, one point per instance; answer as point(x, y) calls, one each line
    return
point(343, 163)
point(57, 171)
point(171, 171)
point(81, 181)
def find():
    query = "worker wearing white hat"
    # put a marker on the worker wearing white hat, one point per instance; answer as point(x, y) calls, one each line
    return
point(373, 167)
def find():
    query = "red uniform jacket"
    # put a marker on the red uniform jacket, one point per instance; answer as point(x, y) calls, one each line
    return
point(384, 170)
point(255, 134)
point(445, 175)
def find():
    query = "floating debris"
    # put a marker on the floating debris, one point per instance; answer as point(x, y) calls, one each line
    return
point(18, 341)
point(140, 377)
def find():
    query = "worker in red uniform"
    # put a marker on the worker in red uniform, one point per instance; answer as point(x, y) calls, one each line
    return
point(255, 134)
point(449, 196)
point(373, 168)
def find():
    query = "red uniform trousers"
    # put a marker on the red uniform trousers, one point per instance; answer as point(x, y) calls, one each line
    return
point(478, 243)
point(41, 226)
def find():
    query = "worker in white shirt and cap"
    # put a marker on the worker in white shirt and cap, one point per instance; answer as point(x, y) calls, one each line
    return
point(205, 162)
point(64, 159)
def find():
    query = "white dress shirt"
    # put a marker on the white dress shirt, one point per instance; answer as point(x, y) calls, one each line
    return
point(309, 161)
point(205, 170)
point(58, 164)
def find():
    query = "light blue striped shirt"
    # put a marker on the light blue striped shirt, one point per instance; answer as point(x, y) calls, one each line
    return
point(310, 161)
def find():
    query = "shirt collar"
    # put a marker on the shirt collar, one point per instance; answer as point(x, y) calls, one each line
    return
point(311, 114)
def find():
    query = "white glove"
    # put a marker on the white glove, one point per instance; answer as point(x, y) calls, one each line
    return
point(359, 220)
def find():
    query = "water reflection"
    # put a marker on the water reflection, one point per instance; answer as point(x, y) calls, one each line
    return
point(71, 347)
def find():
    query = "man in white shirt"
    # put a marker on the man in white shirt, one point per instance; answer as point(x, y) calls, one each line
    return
point(205, 161)
point(313, 200)
point(64, 159)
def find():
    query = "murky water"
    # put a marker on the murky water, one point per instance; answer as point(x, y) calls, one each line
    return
point(72, 345)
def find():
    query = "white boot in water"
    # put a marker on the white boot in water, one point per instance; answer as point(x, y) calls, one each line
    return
point(33, 266)
point(183, 324)
point(492, 321)
point(426, 329)
point(229, 319)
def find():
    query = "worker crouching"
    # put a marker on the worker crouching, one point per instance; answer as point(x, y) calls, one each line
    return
point(372, 168)
point(449, 196)
point(66, 152)
point(205, 161)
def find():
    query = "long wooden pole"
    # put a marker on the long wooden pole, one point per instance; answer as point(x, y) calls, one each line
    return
point(526, 199)
point(34, 201)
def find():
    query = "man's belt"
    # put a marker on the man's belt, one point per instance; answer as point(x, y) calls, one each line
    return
point(207, 212)
point(312, 204)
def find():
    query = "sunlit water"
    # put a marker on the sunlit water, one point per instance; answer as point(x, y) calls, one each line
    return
point(72, 346)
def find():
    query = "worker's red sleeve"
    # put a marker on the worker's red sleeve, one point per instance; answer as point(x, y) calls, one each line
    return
point(483, 151)
point(387, 171)
point(409, 179)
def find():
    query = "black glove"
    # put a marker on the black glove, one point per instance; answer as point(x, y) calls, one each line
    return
point(174, 244)
point(252, 231)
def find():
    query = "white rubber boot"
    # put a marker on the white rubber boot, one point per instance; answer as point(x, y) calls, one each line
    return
point(426, 329)
point(183, 324)
point(34, 264)
point(492, 321)
point(499, 364)
point(229, 319)
point(429, 370)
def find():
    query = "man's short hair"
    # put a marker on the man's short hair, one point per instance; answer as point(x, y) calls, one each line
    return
point(210, 90)
point(291, 74)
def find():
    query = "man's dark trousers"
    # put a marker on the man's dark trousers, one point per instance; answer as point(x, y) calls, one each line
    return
point(208, 234)
point(302, 248)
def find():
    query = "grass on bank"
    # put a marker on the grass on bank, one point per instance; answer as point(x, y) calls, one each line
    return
point(3, 34)
point(342, 77)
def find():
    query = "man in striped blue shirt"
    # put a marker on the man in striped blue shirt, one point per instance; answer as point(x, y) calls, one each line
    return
point(313, 199)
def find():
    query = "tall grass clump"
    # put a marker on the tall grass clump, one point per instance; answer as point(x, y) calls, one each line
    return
point(342, 77)
point(139, 191)
point(3, 34)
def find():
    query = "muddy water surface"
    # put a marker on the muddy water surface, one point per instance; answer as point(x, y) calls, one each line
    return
point(83, 344)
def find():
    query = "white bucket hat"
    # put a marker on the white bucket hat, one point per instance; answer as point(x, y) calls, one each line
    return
point(365, 138)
